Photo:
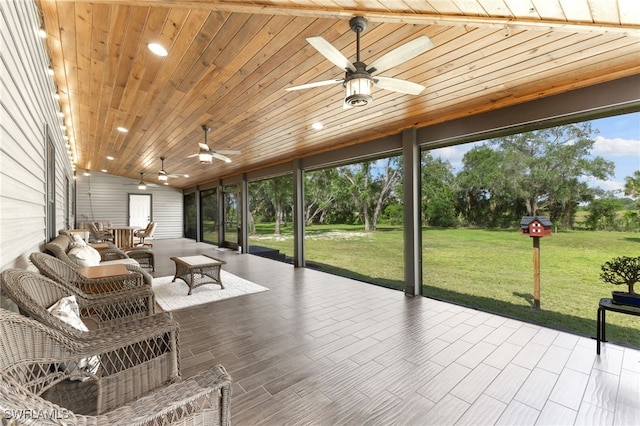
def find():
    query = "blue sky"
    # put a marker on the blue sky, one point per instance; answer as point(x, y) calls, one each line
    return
point(618, 141)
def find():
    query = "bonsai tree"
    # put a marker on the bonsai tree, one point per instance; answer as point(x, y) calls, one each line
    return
point(622, 270)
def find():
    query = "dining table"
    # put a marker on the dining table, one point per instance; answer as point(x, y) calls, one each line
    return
point(123, 236)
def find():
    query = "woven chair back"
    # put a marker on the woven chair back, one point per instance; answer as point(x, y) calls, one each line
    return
point(55, 268)
point(34, 293)
point(32, 352)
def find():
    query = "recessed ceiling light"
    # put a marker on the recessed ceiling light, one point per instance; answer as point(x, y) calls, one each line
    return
point(42, 33)
point(123, 129)
point(104, 170)
point(317, 125)
point(110, 158)
point(157, 49)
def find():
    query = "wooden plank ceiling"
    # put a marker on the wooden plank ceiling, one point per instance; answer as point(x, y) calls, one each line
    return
point(230, 61)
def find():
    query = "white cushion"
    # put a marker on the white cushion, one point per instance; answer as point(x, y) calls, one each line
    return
point(77, 241)
point(66, 310)
point(84, 256)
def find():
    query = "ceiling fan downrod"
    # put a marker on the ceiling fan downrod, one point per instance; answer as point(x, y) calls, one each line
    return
point(358, 84)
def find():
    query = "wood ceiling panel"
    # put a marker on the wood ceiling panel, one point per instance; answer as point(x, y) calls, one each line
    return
point(228, 68)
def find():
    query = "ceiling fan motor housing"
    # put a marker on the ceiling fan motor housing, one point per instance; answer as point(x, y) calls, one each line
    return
point(357, 86)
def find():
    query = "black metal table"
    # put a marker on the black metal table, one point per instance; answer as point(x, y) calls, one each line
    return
point(605, 305)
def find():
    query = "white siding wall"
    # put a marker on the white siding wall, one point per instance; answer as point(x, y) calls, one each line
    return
point(104, 197)
point(27, 107)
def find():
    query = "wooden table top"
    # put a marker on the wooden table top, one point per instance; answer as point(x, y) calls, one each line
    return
point(103, 271)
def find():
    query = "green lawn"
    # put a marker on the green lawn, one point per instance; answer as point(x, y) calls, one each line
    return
point(486, 269)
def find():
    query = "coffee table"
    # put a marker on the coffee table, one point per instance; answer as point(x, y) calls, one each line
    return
point(198, 270)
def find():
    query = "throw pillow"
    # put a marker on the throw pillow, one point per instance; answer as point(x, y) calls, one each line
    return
point(77, 241)
point(66, 310)
point(84, 256)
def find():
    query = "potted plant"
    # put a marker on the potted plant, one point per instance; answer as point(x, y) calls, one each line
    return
point(623, 270)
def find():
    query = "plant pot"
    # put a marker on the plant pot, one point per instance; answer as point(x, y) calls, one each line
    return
point(624, 298)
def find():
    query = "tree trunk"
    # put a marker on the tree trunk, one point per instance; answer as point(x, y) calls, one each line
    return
point(278, 217)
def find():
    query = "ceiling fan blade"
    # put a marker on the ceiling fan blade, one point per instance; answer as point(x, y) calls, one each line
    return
point(221, 157)
point(192, 155)
point(401, 54)
point(315, 84)
point(331, 53)
point(227, 151)
point(397, 85)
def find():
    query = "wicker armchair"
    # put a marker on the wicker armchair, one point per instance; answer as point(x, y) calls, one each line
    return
point(143, 353)
point(33, 293)
point(32, 381)
point(62, 272)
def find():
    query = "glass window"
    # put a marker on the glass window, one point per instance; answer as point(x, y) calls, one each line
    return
point(476, 197)
point(209, 215)
point(271, 218)
point(232, 219)
point(190, 216)
point(354, 221)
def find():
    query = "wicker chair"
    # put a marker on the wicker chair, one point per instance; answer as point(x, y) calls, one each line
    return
point(62, 272)
point(143, 353)
point(99, 235)
point(33, 292)
point(32, 380)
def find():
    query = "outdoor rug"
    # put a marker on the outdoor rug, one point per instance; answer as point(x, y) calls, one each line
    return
point(172, 296)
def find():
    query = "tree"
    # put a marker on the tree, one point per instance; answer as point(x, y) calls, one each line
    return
point(545, 166)
point(632, 186)
point(372, 185)
point(270, 198)
point(322, 189)
point(602, 213)
point(438, 192)
point(484, 195)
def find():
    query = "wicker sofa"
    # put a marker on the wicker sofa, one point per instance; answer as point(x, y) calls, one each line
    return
point(61, 245)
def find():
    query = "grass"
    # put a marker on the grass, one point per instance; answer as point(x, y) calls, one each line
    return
point(484, 269)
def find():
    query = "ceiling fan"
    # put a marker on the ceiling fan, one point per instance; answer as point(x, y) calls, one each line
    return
point(164, 176)
point(142, 185)
point(206, 154)
point(359, 80)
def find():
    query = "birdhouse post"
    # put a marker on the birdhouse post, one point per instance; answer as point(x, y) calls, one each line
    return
point(536, 227)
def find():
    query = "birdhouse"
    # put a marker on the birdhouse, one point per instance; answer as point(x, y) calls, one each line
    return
point(535, 226)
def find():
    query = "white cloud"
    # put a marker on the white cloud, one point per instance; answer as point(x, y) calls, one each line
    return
point(616, 147)
point(610, 185)
point(453, 154)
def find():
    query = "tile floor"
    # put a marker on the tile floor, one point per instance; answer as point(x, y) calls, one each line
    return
point(317, 349)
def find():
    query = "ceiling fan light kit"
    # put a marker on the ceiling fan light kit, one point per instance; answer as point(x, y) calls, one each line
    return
point(205, 157)
point(163, 176)
point(141, 185)
point(206, 154)
point(358, 87)
point(358, 81)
